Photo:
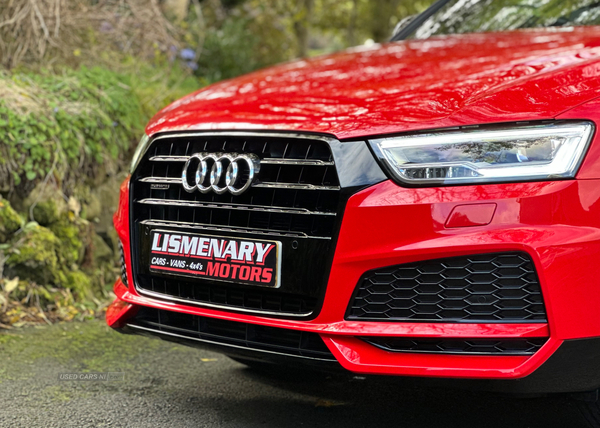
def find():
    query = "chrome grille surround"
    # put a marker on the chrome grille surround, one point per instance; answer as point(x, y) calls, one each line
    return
point(295, 198)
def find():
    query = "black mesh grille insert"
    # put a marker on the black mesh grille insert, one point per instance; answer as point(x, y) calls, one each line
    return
point(483, 288)
point(512, 346)
point(251, 336)
point(123, 266)
point(295, 199)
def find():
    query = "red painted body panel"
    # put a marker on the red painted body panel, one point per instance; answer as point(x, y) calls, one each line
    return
point(360, 357)
point(407, 86)
point(118, 312)
point(403, 86)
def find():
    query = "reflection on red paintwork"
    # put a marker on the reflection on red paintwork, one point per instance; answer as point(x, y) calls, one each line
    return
point(471, 215)
point(357, 356)
point(405, 86)
point(391, 194)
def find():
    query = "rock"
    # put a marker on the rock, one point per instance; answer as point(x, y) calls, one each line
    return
point(39, 256)
point(101, 252)
point(48, 204)
point(103, 267)
point(47, 212)
point(92, 210)
point(79, 283)
point(71, 233)
point(10, 221)
point(33, 255)
point(108, 195)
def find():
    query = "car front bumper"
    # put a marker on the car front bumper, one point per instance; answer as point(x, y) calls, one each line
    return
point(555, 223)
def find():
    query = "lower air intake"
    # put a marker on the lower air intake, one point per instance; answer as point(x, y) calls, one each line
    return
point(501, 287)
point(231, 333)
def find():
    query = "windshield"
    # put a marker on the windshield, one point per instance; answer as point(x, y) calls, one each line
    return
point(476, 16)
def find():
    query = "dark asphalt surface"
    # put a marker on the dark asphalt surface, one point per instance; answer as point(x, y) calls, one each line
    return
point(168, 385)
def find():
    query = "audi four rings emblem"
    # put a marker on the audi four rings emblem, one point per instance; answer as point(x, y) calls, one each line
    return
point(220, 172)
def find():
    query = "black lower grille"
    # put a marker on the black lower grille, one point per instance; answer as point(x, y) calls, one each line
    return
point(513, 346)
point(232, 333)
point(501, 287)
point(123, 266)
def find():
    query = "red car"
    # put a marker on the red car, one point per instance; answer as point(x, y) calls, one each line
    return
point(428, 207)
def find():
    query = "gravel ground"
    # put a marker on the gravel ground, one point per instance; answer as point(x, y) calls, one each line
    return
point(170, 385)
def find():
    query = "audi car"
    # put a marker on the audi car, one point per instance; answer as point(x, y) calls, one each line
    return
point(427, 207)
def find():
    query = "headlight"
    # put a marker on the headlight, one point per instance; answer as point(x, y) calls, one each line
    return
point(139, 151)
point(517, 153)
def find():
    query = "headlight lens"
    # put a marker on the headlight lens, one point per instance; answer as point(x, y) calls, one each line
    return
point(514, 153)
point(139, 151)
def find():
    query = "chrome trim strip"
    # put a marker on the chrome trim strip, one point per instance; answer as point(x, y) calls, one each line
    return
point(267, 184)
point(272, 185)
point(308, 162)
point(265, 161)
point(138, 327)
point(225, 206)
point(162, 296)
point(169, 158)
point(202, 226)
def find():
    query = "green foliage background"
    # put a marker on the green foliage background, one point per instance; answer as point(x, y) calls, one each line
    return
point(89, 117)
point(75, 95)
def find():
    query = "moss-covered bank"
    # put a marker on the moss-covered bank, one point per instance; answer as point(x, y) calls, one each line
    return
point(57, 270)
point(67, 136)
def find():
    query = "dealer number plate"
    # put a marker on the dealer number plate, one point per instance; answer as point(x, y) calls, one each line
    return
point(242, 261)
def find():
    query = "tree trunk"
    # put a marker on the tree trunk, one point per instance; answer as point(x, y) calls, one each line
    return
point(302, 26)
point(381, 12)
point(352, 24)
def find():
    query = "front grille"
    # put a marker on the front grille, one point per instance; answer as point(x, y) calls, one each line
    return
point(232, 333)
point(500, 287)
point(295, 199)
point(513, 346)
point(297, 189)
point(123, 266)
